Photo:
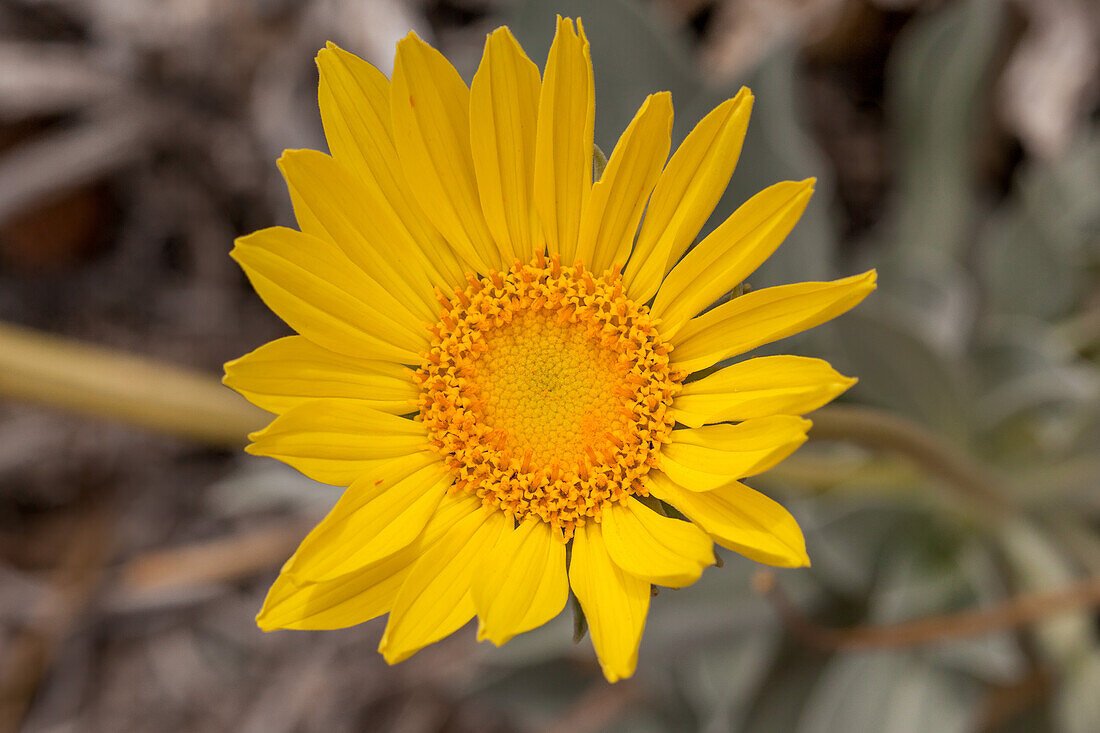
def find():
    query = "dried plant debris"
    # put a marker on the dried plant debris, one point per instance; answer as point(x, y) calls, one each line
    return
point(136, 141)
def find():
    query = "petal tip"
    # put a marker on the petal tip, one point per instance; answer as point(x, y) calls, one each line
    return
point(394, 656)
point(497, 640)
point(410, 39)
point(503, 32)
point(614, 675)
point(263, 623)
point(385, 648)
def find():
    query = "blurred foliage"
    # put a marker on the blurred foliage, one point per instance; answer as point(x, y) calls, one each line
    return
point(977, 332)
point(985, 330)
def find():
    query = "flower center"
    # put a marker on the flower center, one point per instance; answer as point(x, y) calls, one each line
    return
point(547, 391)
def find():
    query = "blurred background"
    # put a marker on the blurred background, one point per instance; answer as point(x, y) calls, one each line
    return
point(957, 148)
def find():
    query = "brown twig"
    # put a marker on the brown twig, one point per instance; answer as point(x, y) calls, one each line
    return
point(1004, 703)
point(154, 575)
point(1022, 610)
point(973, 481)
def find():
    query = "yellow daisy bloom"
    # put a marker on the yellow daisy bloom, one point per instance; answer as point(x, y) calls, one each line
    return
point(496, 353)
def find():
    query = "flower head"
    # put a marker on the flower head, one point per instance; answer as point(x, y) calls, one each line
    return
point(496, 354)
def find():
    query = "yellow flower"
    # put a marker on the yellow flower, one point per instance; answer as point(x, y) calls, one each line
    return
point(496, 353)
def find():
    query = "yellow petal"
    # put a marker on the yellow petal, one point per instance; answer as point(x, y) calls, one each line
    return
point(739, 519)
point(656, 549)
point(763, 316)
point(355, 110)
point(322, 295)
point(769, 385)
point(521, 583)
point(686, 194)
point(614, 602)
point(615, 205)
point(435, 599)
point(730, 253)
point(289, 371)
point(706, 458)
point(363, 595)
point(431, 120)
point(504, 100)
point(380, 513)
point(336, 441)
point(331, 203)
point(563, 142)
point(337, 604)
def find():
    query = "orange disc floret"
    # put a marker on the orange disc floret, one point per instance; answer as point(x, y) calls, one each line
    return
point(547, 391)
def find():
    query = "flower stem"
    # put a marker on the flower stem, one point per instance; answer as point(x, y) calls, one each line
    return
point(1012, 613)
point(970, 479)
point(63, 373)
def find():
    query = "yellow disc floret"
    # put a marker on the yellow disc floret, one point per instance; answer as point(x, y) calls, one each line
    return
point(547, 391)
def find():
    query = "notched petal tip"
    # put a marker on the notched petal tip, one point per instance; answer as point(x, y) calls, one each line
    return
point(328, 56)
point(572, 26)
point(263, 625)
point(863, 284)
point(613, 676)
point(391, 656)
point(504, 33)
point(395, 655)
point(581, 33)
point(228, 369)
point(496, 639)
point(739, 105)
point(663, 100)
point(291, 152)
point(660, 101)
point(799, 557)
point(411, 39)
point(235, 251)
